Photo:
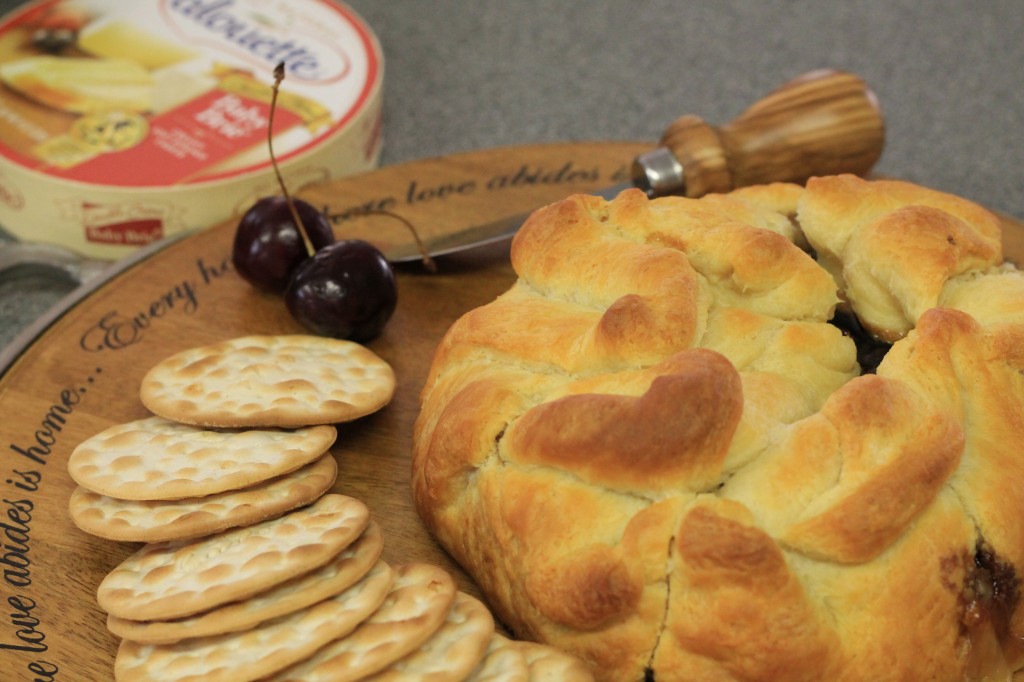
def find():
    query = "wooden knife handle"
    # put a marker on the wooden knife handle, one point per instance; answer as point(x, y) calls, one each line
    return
point(821, 123)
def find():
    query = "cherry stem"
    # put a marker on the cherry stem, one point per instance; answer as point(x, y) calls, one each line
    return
point(278, 77)
point(428, 262)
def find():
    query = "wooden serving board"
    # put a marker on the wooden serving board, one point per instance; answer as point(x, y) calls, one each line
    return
point(82, 373)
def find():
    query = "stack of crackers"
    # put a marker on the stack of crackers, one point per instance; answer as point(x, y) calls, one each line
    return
point(250, 568)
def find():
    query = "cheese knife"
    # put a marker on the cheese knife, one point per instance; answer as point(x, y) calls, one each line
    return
point(823, 122)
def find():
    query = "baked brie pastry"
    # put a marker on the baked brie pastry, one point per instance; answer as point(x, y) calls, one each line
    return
point(659, 451)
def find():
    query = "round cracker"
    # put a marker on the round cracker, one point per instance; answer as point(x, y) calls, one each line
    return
point(509, 660)
point(170, 580)
point(452, 652)
point(285, 381)
point(419, 602)
point(504, 661)
point(344, 571)
point(194, 517)
point(159, 459)
point(548, 664)
point(254, 653)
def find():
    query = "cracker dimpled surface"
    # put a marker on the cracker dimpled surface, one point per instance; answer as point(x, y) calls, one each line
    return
point(292, 595)
point(452, 652)
point(252, 654)
point(160, 459)
point(285, 381)
point(175, 579)
point(415, 609)
point(193, 517)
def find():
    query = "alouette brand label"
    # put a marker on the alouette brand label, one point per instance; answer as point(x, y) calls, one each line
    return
point(311, 59)
point(103, 99)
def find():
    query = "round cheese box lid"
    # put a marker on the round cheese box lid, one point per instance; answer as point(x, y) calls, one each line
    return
point(122, 123)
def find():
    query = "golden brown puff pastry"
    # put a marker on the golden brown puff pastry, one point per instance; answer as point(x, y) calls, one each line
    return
point(656, 452)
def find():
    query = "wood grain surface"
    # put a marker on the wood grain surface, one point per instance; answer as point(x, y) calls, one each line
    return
point(82, 375)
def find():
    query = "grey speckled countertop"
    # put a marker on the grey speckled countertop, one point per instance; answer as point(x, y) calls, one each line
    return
point(465, 75)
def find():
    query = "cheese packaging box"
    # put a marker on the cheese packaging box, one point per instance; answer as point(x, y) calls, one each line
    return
point(122, 123)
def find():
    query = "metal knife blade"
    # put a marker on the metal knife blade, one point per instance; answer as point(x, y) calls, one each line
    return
point(476, 235)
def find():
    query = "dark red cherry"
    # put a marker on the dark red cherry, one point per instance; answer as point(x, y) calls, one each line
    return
point(268, 246)
point(347, 291)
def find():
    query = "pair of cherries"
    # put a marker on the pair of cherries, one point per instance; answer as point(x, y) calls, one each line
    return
point(343, 289)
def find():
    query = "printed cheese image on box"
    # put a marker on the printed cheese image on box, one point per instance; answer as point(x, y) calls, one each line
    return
point(81, 86)
point(124, 123)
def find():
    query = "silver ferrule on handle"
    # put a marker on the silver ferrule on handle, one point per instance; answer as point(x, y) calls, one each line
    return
point(658, 173)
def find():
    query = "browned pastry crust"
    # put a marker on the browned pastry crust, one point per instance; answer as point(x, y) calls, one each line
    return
point(655, 452)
